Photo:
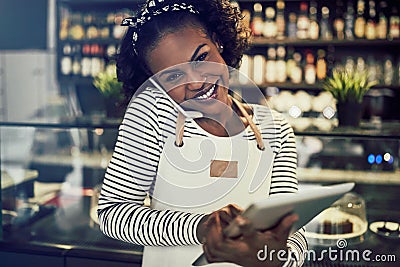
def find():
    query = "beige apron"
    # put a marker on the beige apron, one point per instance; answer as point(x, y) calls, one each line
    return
point(204, 175)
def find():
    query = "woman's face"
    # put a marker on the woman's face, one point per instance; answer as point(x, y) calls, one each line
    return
point(189, 66)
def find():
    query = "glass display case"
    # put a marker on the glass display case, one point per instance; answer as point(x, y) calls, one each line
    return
point(51, 173)
point(50, 176)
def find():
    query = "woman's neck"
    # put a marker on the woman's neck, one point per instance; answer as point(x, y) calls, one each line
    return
point(228, 124)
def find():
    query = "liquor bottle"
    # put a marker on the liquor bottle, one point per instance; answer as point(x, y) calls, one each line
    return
point(330, 60)
point(359, 25)
point(269, 28)
point(290, 63)
point(66, 65)
point(280, 64)
point(326, 32)
point(349, 21)
point(313, 32)
point(292, 25)
point(338, 23)
point(86, 65)
point(259, 67)
point(257, 22)
point(76, 66)
point(321, 65)
point(118, 31)
point(382, 27)
point(89, 26)
point(296, 72)
point(372, 69)
point(303, 22)
point(394, 22)
point(370, 27)
point(64, 23)
point(280, 19)
point(361, 65)
point(349, 64)
point(246, 69)
point(104, 28)
point(309, 70)
point(388, 71)
point(270, 66)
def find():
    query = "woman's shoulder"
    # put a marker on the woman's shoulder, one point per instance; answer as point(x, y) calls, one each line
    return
point(265, 114)
point(151, 98)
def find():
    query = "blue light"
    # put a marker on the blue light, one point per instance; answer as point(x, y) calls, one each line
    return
point(371, 158)
point(378, 159)
point(391, 160)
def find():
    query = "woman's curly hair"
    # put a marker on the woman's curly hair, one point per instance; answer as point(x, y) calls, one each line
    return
point(218, 17)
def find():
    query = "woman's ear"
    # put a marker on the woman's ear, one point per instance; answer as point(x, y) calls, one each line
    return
point(217, 43)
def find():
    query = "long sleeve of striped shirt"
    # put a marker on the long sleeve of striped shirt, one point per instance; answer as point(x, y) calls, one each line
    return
point(132, 170)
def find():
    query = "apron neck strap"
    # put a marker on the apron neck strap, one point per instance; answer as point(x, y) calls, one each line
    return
point(253, 126)
point(180, 125)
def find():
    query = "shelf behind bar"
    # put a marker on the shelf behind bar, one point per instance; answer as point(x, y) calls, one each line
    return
point(262, 41)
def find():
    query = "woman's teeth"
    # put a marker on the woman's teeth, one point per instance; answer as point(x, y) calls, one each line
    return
point(208, 94)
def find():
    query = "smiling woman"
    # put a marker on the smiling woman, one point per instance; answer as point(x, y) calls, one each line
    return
point(199, 172)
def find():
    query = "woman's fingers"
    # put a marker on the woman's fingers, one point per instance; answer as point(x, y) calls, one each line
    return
point(284, 227)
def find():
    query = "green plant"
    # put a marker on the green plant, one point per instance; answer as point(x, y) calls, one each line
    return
point(348, 86)
point(107, 83)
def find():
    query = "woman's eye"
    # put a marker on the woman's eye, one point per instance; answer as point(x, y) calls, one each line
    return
point(173, 77)
point(202, 57)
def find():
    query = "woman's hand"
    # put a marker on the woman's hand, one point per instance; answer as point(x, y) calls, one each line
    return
point(253, 248)
point(226, 215)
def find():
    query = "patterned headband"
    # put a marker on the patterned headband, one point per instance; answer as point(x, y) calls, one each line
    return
point(152, 9)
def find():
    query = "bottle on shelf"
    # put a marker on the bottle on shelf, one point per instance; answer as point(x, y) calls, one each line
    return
point(339, 23)
point(280, 64)
point(326, 32)
point(361, 64)
point(372, 69)
point(104, 27)
point(259, 67)
point(64, 23)
point(309, 69)
point(86, 66)
point(349, 21)
point(292, 26)
point(349, 64)
point(394, 24)
point(76, 31)
point(370, 26)
point(76, 66)
point(303, 22)
point(290, 63)
point(313, 32)
point(90, 25)
point(382, 26)
point(269, 27)
point(388, 71)
point(66, 65)
point(257, 22)
point(296, 72)
point(359, 24)
point(280, 20)
point(270, 66)
point(321, 67)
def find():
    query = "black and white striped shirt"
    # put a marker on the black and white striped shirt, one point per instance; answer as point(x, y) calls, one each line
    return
point(131, 173)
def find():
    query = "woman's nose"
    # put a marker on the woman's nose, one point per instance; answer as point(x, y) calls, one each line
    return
point(195, 80)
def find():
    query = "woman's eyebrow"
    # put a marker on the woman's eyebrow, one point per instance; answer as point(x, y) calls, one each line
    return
point(196, 52)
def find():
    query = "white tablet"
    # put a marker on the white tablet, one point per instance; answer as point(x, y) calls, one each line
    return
point(306, 203)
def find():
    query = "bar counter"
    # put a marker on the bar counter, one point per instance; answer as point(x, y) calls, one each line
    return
point(67, 236)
